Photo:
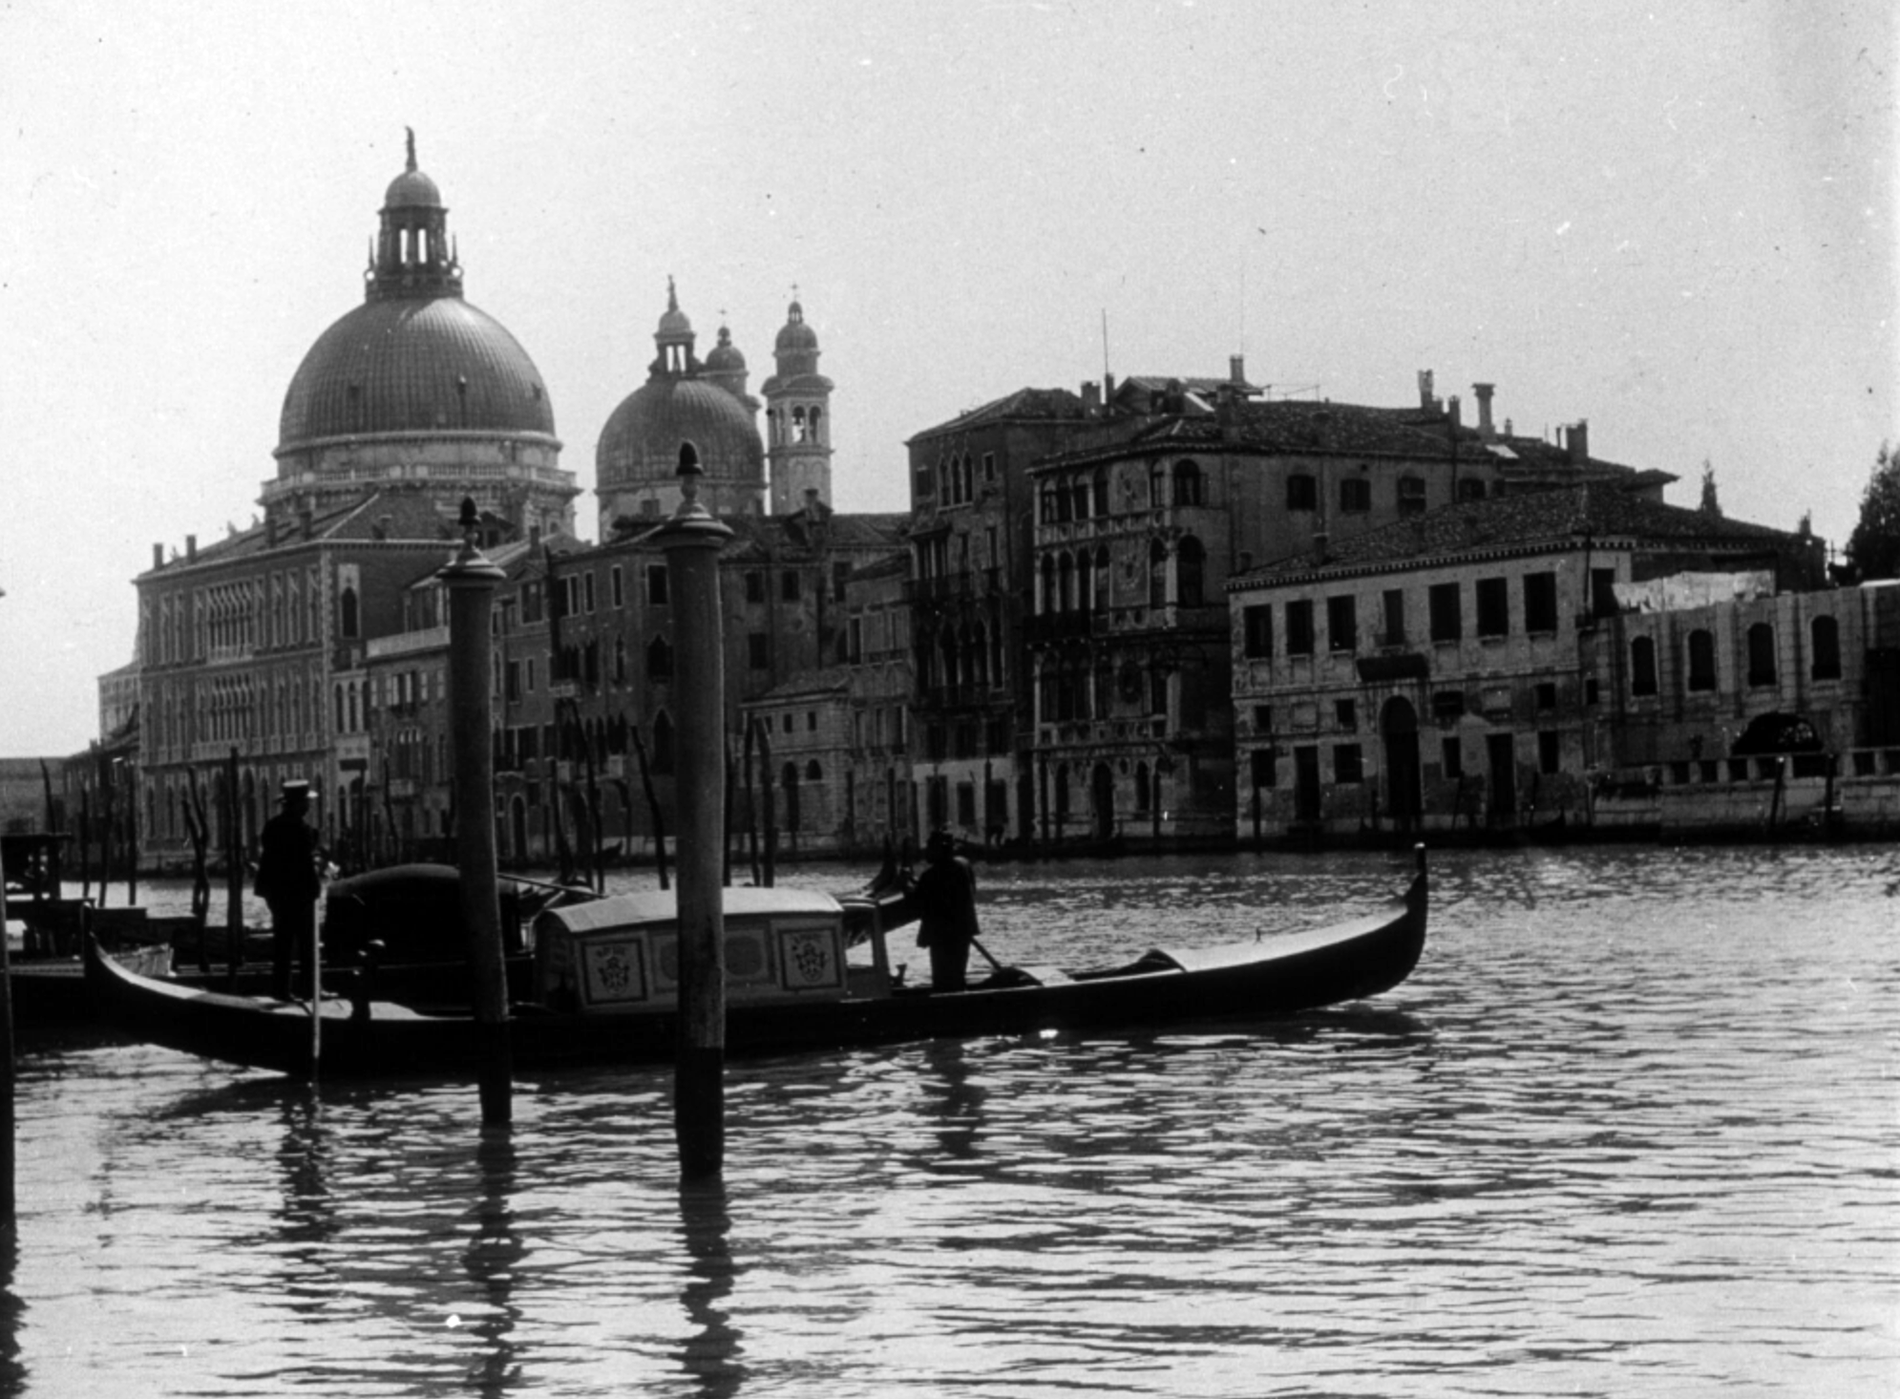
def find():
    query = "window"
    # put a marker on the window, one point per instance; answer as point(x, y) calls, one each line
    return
point(1643, 666)
point(1701, 659)
point(1825, 642)
point(1549, 751)
point(1302, 492)
point(788, 585)
point(1411, 495)
point(1447, 620)
point(659, 659)
point(657, 595)
point(1346, 715)
point(1257, 630)
point(755, 587)
point(1494, 607)
point(1603, 592)
point(1263, 718)
point(758, 650)
point(811, 721)
point(1299, 628)
point(1190, 565)
point(989, 466)
point(1540, 602)
point(616, 587)
point(814, 773)
point(1448, 706)
point(1452, 750)
point(1761, 654)
point(926, 484)
point(1187, 483)
point(1546, 692)
point(587, 591)
point(1469, 488)
point(1342, 625)
point(1392, 603)
point(1355, 495)
point(1157, 574)
point(1348, 763)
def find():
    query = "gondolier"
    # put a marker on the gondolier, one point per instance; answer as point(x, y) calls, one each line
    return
point(287, 880)
point(944, 901)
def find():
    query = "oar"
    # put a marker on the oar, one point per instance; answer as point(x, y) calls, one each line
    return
point(994, 964)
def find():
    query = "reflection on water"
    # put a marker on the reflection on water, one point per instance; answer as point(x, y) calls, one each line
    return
point(1628, 1130)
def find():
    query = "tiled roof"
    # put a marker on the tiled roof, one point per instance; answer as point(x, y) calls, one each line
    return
point(811, 682)
point(896, 566)
point(1514, 523)
point(1032, 405)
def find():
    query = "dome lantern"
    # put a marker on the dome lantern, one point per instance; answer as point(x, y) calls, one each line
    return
point(413, 256)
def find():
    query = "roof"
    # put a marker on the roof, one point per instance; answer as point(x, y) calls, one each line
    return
point(1024, 405)
point(415, 366)
point(896, 566)
point(398, 516)
point(648, 906)
point(825, 681)
point(641, 442)
point(1561, 518)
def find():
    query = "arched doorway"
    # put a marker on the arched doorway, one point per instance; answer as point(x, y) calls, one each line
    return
point(1398, 726)
point(1102, 800)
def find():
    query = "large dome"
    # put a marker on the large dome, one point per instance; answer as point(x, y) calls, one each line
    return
point(641, 442)
point(408, 365)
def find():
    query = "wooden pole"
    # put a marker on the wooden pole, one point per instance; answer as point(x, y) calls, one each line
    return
point(692, 540)
point(6, 1072)
point(471, 581)
point(233, 864)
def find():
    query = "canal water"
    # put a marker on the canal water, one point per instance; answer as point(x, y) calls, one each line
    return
point(1630, 1130)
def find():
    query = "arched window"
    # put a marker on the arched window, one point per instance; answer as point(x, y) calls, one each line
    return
point(1190, 561)
point(1643, 666)
point(798, 425)
point(814, 773)
point(659, 659)
point(1187, 483)
point(1701, 660)
point(816, 414)
point(1761, 654)
point(347, 621)
point(1065, 582)
point(1048, 583)
point(1079, 497)
point(1825, 638)
point(1157, 574)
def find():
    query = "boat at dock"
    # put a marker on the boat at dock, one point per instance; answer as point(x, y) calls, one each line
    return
point(605, 990)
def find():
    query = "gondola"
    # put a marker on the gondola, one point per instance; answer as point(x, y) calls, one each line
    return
point(606, 991)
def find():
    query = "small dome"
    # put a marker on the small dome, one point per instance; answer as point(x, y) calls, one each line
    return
point(673, 323)
point(795, 335)
point(641, 442)
point(724, 357)
point(409, 365)
point(412, 190)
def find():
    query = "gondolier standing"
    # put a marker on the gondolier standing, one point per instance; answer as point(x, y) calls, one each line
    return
point(288, 881)
point(945, 899)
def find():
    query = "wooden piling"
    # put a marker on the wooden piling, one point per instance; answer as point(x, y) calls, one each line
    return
point(692, 539)
point(471, 581)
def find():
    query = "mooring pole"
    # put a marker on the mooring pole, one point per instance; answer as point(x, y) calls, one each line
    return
point(6, 1041)
point(692, 539)
point(471, 581)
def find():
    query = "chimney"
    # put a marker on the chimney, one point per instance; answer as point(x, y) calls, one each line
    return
point(1454, 413)
point(191, 548)
point(381, 530)
point(1092, 399)
point(1237, 370)
point(1425, 388)
point(1483, 393)
point(1579, 442)
point(158, 556)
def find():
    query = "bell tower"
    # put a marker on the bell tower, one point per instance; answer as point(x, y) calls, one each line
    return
point(797, 417)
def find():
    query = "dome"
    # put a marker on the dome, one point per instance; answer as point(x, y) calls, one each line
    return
point(414, 365)
point(412, 190)
point(795, 335)
point(641, 441)
point(725, 356)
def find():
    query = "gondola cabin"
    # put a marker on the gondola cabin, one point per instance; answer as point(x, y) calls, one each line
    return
point(621, 954)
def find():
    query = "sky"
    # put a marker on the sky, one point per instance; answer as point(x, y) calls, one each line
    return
point(1675, 221)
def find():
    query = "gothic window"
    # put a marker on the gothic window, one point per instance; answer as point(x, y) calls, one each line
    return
point(347, 620)
point(1187, 483)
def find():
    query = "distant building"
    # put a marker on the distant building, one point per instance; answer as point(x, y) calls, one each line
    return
point(881, 804)
point(803, 725)
point(1461, 668)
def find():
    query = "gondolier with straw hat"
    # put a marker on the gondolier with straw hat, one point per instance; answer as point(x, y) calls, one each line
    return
point(289, 882)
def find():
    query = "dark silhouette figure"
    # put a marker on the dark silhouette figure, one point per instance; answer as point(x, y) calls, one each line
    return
point(288, 881)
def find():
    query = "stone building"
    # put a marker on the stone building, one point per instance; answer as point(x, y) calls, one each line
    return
point(1450, 670)
point(805, 723)
point(1136, 537)
point(882, 803)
